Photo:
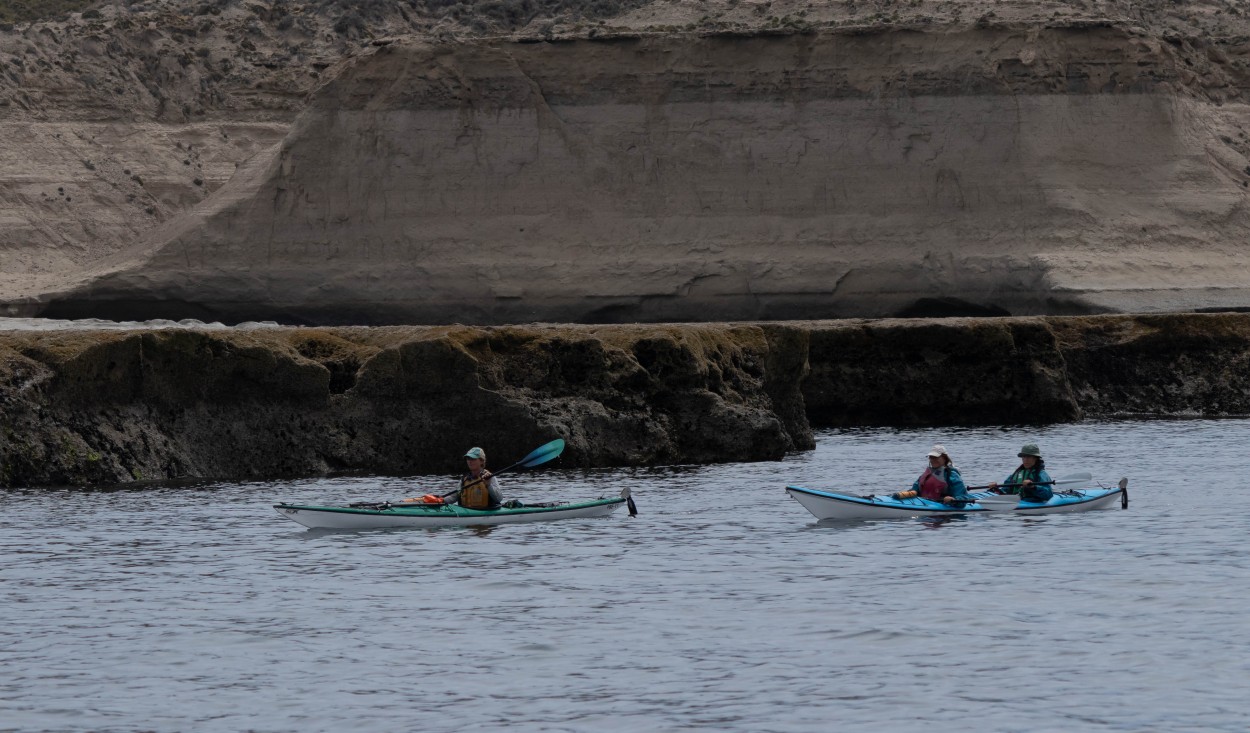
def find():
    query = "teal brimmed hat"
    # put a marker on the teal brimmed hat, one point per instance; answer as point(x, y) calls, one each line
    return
point(1030, 449)
point(476, 453)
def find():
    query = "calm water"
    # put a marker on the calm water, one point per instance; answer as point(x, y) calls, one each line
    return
point(721, 607)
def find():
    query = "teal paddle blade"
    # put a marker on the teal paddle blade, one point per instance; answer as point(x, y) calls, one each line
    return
point(543, 454)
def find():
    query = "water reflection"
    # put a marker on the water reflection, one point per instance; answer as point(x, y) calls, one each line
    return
point(937, 522)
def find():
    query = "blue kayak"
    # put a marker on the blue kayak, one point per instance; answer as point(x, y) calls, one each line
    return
point(1077, 500)
point(837, 505)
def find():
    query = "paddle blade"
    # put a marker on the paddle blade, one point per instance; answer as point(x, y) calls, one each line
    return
point(542, 454)
point(995, 500)
point(627, 495)
point(1074, 478)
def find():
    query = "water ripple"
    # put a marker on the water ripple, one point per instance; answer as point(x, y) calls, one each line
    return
point(723, 606)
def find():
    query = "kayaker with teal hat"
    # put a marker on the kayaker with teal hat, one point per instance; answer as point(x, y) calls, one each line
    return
point(479, 489)
point(1027, 479)
point(939, 482)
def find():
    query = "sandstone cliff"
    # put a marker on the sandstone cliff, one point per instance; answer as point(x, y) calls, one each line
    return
point(742, 164)
point(112, 406)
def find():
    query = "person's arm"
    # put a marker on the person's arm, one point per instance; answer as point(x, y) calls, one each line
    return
point(915, 491)
point(1036, 492)
point(453, 496)
point(955, 487)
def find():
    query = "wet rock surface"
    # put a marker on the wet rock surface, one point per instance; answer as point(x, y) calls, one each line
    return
point(955, 372)
point(103, 407)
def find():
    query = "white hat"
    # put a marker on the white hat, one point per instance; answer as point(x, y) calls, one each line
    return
point(938, 451)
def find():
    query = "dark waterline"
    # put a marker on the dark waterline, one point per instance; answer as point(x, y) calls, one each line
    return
point(723, 606)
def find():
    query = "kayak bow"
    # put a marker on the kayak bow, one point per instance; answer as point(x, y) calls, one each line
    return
point(834, 505)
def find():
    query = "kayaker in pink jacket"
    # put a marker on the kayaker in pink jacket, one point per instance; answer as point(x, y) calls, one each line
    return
point(939, 482)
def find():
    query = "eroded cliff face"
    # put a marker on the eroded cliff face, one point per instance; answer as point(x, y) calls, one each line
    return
point(105, 407)
point(954, 371)
point(980, 170)
point(90, 408)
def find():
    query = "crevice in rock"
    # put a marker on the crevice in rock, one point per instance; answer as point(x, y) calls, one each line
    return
point(950, 308)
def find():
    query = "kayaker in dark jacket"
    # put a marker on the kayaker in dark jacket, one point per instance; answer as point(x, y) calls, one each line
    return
point(939, 482)
point(1025, 480)
point(478, 488)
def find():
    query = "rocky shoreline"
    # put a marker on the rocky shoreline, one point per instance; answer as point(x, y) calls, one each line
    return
point(101, 407)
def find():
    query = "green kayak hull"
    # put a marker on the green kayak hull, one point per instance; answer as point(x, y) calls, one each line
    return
point(445, 515)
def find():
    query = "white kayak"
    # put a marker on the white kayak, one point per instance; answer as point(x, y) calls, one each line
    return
point(833, 505)
point(836, 505)
point(388, 515)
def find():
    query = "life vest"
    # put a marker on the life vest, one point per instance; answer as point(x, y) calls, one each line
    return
point(474, 493)
point(933, 486)
point(1029, 493)
point(1018, 476)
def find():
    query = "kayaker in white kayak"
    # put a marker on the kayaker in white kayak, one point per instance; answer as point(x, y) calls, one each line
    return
point(939, 482)
point(1025, 480)
point(478, 488)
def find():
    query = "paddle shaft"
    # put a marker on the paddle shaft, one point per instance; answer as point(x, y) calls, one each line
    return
point(536, 457)
point(1078, 479)
point(479, 479)
point(1035, 483)
point(484, 477)
point(1068, 480)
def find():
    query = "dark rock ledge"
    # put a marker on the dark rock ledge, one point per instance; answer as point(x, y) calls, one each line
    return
point(103, 407)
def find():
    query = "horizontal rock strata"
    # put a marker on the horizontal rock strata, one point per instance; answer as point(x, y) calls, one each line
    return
point(100, 407)
point(978, 171)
